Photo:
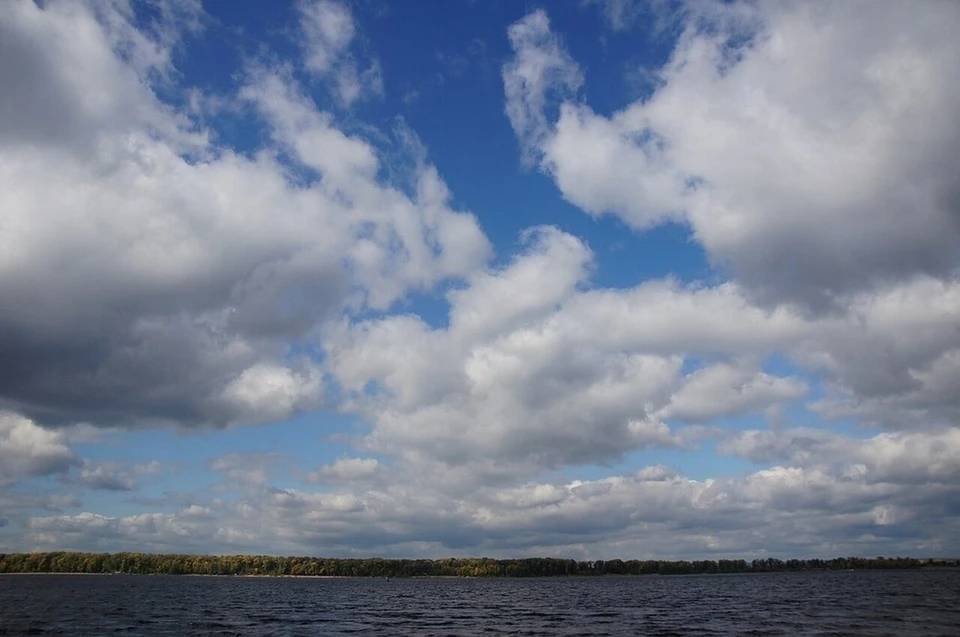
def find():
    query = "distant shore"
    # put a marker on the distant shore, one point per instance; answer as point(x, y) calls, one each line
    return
point(62, 562)
point(81, 574)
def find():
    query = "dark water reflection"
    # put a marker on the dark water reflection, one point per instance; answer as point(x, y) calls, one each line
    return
point(896, 603)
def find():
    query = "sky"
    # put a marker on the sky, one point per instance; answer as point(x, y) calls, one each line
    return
point(667, 279)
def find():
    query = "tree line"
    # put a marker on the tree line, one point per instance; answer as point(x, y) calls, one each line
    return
point(175, 564)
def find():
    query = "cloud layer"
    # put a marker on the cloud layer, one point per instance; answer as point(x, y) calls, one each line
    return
point(151, 275)
point(767, 126)
point(802, 401)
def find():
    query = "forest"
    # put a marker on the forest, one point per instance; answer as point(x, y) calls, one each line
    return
point(264, 565)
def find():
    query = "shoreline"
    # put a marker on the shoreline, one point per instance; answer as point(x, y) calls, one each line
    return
point(73, 563)
point(476, 577)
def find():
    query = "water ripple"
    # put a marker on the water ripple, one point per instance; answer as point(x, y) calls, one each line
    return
point(874, 603)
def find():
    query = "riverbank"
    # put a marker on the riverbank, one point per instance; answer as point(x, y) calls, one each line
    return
point(295, 566)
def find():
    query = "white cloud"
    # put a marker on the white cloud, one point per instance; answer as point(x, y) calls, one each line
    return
point(348, 470)
point(270, 392)
point(806, 151)
point(107, 477)
point(64, 81)
point(895, 458)
point(536, 372)
point(395, 242)
point(328, 31)
point(723, 390)
point(552, 265)
point(540, 70)
point(663, 317)
point(827, 509)
point(153, 276)
point(893, 361)
point(175, 268)
point(29, 450)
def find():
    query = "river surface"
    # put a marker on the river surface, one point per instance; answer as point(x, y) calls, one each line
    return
point(874, 603)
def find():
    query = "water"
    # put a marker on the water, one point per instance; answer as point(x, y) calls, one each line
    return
point(873, 603)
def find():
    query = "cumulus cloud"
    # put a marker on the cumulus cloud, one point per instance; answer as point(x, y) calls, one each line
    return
point(536, 371)
point(95, 532)
point(106, 477)
point(778, 511)
point(489, 387)
point(151, 276)
point(529, 360)
point(901, 458)
point(728, 390)
point(770, 124)
point(29, 450)
point(73, 70)
point(272, 391)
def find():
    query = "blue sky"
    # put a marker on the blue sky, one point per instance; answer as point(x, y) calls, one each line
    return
point(592, 279)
